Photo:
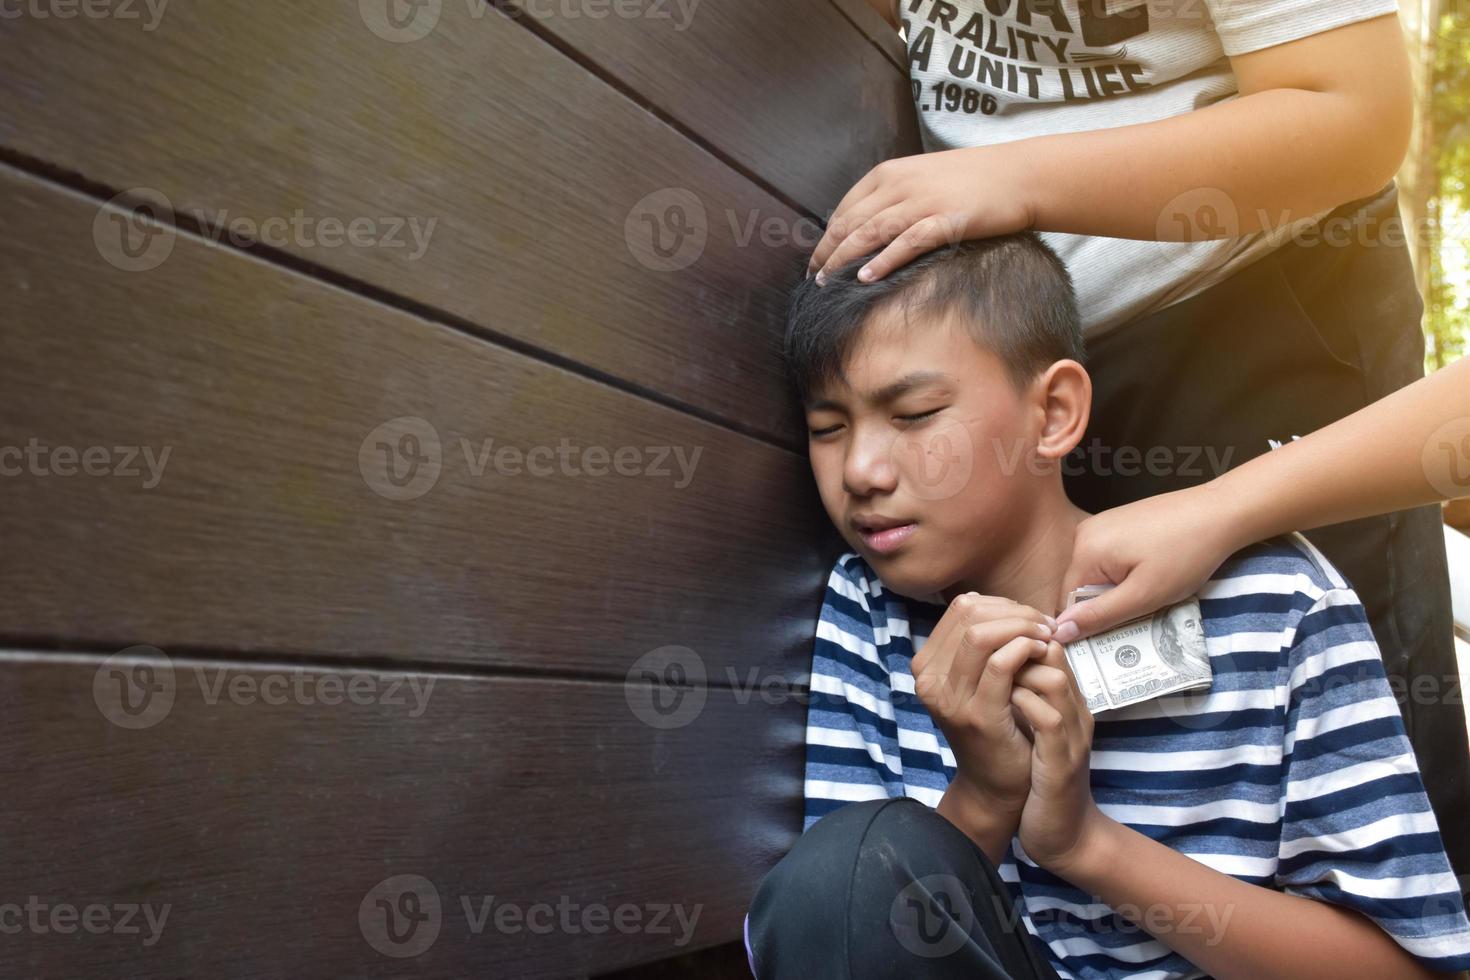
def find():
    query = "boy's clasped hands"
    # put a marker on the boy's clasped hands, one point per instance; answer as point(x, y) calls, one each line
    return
point(998, 686)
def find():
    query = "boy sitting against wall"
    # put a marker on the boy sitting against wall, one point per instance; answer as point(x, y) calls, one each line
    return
point(956, 784)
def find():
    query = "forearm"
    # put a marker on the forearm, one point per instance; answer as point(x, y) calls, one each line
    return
point(1259, 161)
point(1227, 927)
point(1408, 449)
point(988, 826)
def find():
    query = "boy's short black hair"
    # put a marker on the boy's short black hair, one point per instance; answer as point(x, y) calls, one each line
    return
point(1013, 292)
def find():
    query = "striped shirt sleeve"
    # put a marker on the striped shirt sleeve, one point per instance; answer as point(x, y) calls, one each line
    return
point(851, 705)
point(1356, 826)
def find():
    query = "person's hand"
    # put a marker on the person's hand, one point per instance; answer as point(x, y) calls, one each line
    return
point(1060, 823)
point(963, 675)
point(914, 204)
point(1157, 551)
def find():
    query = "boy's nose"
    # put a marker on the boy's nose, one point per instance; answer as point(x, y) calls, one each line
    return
point(869, 467)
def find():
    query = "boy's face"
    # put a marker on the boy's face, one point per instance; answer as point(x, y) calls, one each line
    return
point(924, 453)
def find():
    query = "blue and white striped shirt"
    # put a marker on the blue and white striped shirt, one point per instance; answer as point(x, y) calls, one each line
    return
point(1293, 772)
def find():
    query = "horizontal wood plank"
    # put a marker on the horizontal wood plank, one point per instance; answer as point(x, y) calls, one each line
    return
point(488, 175)
point(198, 457)
point(877, 30)
point(795, 93)
point(259, 813)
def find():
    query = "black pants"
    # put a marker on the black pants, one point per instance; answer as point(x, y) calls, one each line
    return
point(1293, 342)
point(888, 890)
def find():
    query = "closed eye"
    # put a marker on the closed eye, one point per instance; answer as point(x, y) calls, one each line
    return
point(921, 416)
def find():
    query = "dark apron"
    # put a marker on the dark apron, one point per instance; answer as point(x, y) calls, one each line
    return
point(1296, 340)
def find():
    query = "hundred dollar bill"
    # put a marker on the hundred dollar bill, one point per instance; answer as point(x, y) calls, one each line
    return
point(1145, 658)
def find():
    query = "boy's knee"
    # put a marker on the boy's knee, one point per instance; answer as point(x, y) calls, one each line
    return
point(897, 833)
point(846, 873)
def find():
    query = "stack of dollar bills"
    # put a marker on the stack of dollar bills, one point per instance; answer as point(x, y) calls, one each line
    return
point(1145, 658)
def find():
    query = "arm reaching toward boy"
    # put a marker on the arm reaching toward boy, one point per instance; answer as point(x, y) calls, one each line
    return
point(1225, 926)
point(1408, 449)
point(1344, 93)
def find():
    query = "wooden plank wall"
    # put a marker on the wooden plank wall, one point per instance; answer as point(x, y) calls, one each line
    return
point(407, 554)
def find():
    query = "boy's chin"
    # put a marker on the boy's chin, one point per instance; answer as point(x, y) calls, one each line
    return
point(921, 586)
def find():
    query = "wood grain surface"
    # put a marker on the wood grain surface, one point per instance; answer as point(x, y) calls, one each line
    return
point(261, 813)
point(570, 526)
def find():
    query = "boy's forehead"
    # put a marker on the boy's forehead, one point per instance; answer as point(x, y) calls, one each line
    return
point(892, 354)
point(879, 388)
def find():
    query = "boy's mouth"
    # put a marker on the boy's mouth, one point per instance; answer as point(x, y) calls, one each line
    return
point(883, 534)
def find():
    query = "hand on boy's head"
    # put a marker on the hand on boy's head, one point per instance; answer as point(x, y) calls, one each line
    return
point(911, 205)
point(963, 674)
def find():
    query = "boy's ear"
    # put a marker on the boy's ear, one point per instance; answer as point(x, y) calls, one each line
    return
point(1064, 393)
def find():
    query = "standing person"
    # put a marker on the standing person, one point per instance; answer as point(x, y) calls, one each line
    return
point(1217, 177)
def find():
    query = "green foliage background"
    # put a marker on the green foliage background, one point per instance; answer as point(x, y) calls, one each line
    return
point(1447, 311)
